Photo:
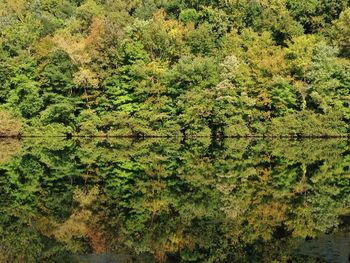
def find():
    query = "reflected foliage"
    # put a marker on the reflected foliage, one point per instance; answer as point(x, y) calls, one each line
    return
point(169, 200)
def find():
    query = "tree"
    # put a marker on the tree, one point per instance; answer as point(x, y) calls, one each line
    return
point(341, 32)
point(24, 97)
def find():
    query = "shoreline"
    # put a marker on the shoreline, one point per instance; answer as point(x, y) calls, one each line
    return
point(185, 137)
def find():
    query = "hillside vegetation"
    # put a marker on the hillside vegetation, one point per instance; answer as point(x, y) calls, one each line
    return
point(174, 67)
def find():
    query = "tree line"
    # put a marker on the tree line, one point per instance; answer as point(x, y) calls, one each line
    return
point(174, 68)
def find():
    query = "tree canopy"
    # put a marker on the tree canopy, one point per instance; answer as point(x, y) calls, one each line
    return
point(175, 68)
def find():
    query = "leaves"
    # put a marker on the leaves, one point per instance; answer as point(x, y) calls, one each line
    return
point(171, 68)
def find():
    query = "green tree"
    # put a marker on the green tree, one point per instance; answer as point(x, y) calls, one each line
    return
point(342, 32)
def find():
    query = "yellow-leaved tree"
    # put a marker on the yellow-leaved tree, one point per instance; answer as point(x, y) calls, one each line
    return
point(9, 126)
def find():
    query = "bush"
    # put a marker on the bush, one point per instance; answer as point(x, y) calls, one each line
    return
point(9, 126)
point(308, 124)
point(38, 129)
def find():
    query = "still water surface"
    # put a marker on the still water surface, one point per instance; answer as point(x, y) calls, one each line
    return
point(166, 200)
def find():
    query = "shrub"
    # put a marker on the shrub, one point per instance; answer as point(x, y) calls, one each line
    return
point(308, 124)
point(9, 126)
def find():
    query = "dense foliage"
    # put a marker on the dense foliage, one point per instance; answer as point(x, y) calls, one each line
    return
point(237, 201)
point(175, 67)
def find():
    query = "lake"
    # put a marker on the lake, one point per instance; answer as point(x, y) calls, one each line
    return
point(170, 200)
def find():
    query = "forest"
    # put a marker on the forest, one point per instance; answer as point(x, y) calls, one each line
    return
point(174, 68)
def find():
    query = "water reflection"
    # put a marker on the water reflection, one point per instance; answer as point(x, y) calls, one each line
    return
point(8, 148)
point(332, 248)
point(167, 200)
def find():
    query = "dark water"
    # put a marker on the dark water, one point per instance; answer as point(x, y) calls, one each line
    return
point(164, 200)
